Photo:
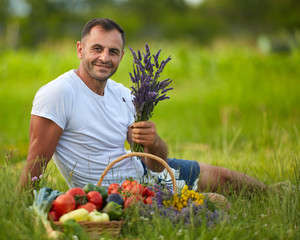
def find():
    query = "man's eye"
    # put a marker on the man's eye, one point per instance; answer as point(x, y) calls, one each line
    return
point(114, 52)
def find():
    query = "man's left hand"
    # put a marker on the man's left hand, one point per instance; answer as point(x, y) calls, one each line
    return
point(144, 133)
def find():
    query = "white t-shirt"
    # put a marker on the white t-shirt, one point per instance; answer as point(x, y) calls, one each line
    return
point(94, 129)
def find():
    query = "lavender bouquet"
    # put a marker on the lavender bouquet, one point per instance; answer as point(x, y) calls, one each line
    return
point(147, 91)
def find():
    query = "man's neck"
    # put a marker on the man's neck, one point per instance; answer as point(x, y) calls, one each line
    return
point(93, 84)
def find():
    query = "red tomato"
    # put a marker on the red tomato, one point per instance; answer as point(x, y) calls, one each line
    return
point(148, 200)
point(146, 192)
point(115, 191)
point(95, 198)
point(76, 191)
point(53, 208)
point(131, 200)
point(64, 203)
point(113, 186)
point(151, 194)
point(134, 182)
point(79, 195)
point(88, 206)
point(137, 189)
point(53, 215)
point(126, 183)
point(128, 188)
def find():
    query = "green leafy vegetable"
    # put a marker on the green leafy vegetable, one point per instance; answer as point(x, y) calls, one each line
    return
point(113, 210)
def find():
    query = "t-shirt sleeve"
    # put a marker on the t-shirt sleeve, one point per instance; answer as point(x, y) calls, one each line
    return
point(52, 101)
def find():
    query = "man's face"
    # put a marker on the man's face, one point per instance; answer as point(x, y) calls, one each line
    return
point(101, 52)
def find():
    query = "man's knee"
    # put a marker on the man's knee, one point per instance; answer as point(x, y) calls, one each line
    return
point(213, 177)
point(225, 175)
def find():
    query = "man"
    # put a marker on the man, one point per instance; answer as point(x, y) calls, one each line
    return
point(81, 120)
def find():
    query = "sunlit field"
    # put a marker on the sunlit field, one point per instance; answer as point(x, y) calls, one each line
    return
point(231, 106)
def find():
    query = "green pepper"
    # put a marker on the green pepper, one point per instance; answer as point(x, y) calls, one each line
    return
point(89, 187)
point(96, 216)
point(113, 210)
point(71, 228)
point(102, 190)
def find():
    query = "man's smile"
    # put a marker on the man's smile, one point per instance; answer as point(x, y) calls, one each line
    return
point(108, 66)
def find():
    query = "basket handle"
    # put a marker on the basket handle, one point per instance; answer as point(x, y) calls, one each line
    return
point(139, 154)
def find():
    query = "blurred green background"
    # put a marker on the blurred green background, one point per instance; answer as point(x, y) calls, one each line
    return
point(30, 23)
point(235, 71)
point(235, 102)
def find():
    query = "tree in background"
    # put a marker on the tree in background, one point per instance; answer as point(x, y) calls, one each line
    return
point(50, 20)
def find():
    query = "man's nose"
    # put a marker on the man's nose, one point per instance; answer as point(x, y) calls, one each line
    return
point(104, 56)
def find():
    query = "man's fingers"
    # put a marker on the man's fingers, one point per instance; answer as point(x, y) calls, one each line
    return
point(143, 124)
point(143, 142)
point(144, 130)
point(143, 139)
point(139, 136)
point(144, 133)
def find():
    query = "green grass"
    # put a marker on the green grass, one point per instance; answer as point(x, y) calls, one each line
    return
point(231, 106)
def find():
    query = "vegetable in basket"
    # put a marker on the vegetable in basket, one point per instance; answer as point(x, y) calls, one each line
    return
point(114, 211)
point(71, 228)
point(80, 214)
point(79, 195)
point(95, 198)
point(41, 205)
point(88, 206)
point(115, 197)
point(63, 204)
point(77, 191)
point(114, 188)
point(43, 199)
point(89, 187)
point(96, 216)
point(102, 190)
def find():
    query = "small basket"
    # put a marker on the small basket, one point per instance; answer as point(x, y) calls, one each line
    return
point(113, 228)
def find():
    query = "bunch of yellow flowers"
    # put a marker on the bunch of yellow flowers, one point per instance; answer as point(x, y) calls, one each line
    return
point(180, 201)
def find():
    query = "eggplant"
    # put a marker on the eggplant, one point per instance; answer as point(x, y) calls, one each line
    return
point(115, 197)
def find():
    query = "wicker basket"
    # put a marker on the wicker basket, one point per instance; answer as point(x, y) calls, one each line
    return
point(113, 228)
point(95, 229)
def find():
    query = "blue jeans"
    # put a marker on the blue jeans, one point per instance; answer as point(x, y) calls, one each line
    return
point(186, 172)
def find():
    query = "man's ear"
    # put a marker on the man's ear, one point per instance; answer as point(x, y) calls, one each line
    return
point(79, 49)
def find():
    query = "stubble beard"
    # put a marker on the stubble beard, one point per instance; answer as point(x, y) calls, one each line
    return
point(93, 73)
point(104, 79)
point(93, 67)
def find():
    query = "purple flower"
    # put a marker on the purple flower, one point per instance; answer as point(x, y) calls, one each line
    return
point(147, 91)
point(192, 215)
point(34, 179)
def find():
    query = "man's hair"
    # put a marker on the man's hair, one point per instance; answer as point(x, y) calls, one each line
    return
point(106, 23)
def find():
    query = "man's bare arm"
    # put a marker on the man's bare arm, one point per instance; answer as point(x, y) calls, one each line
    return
point(44, 135)
point(144, 133)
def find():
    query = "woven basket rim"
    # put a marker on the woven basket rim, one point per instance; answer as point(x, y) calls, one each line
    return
point(112, 222)
point(139, 154)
